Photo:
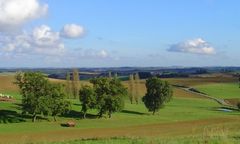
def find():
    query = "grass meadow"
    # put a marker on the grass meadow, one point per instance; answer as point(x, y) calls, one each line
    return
point(188, 118)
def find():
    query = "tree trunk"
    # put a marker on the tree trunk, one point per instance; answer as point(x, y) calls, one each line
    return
point(34, 117)
point(84, 115)
point(54, 117)
point(154, 112)
point(109, 114)
point(100, 114)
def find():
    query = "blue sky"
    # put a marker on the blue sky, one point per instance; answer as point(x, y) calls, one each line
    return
point(107, 33)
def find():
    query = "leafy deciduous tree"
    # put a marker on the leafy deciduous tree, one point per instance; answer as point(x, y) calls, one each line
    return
point(109, 95)
point(57, 97)
point(88, 98)
point(32, 86)
point(39, 96)
point(158, 93)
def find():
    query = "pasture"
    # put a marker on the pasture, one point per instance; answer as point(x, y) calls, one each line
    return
point(188, 118)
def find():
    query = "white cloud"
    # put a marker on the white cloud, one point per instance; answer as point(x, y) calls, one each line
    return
point(41, 41)
point(195, 46)
point(14, 13)
point(72, 31)
point(43, 35)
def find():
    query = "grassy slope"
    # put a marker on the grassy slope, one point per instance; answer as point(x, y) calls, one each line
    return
point(221, 90)
point(183, 107)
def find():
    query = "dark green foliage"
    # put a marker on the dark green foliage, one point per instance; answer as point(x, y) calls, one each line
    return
point(39, 96)
point(110, 95)
point(158, 93)
point(57, 98)
point(32, 87)
point(87, 97)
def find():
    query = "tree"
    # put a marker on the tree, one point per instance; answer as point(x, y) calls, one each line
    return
point(68, 85)
point(75, 83)
point(39, 96)
point(32, 88)
point(158, 93)
point(131, 88)
point(87, 97)
point(137, 80)
point(109, 95)
point(57, 97)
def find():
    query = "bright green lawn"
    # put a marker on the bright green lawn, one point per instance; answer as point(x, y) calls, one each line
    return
point(221, 90)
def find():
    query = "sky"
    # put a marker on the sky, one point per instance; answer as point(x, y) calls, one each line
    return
point(115, 33)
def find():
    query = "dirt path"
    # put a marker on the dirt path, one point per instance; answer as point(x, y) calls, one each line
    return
point(185, 128)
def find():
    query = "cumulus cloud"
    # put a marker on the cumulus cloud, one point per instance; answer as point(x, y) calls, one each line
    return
point(14, 13)
point(195, 46)
point(72, 31)
point(41, 41)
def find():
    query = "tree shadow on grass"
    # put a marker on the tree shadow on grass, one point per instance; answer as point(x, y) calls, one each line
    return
point(9, 116)
point(17, 106)
point(132, 112)
point(78, 115)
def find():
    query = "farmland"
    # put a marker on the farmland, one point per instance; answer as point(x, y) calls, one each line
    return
point(188, 117)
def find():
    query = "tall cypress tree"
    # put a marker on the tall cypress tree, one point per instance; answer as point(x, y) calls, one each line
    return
point(137, 82)
point(68, 88)
point(131, 88)
point(75, 83)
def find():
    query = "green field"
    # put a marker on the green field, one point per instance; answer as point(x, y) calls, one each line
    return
point(221, 90)
point(188, 118)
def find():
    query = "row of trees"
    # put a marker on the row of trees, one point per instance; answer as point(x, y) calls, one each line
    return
point(72, 84)
point(106, 95)
point(39, 96)
point(134, 83)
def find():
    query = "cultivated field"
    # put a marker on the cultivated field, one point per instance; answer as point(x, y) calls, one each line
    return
point(188, 118)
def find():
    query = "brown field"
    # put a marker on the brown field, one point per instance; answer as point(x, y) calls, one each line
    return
point(162, 130)
point(6, 84)
point(193, 81)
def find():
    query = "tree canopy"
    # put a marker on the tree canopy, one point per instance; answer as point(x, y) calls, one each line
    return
point(158, 93)
point(87, 97)
point(110, 95)
point(39, 96)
